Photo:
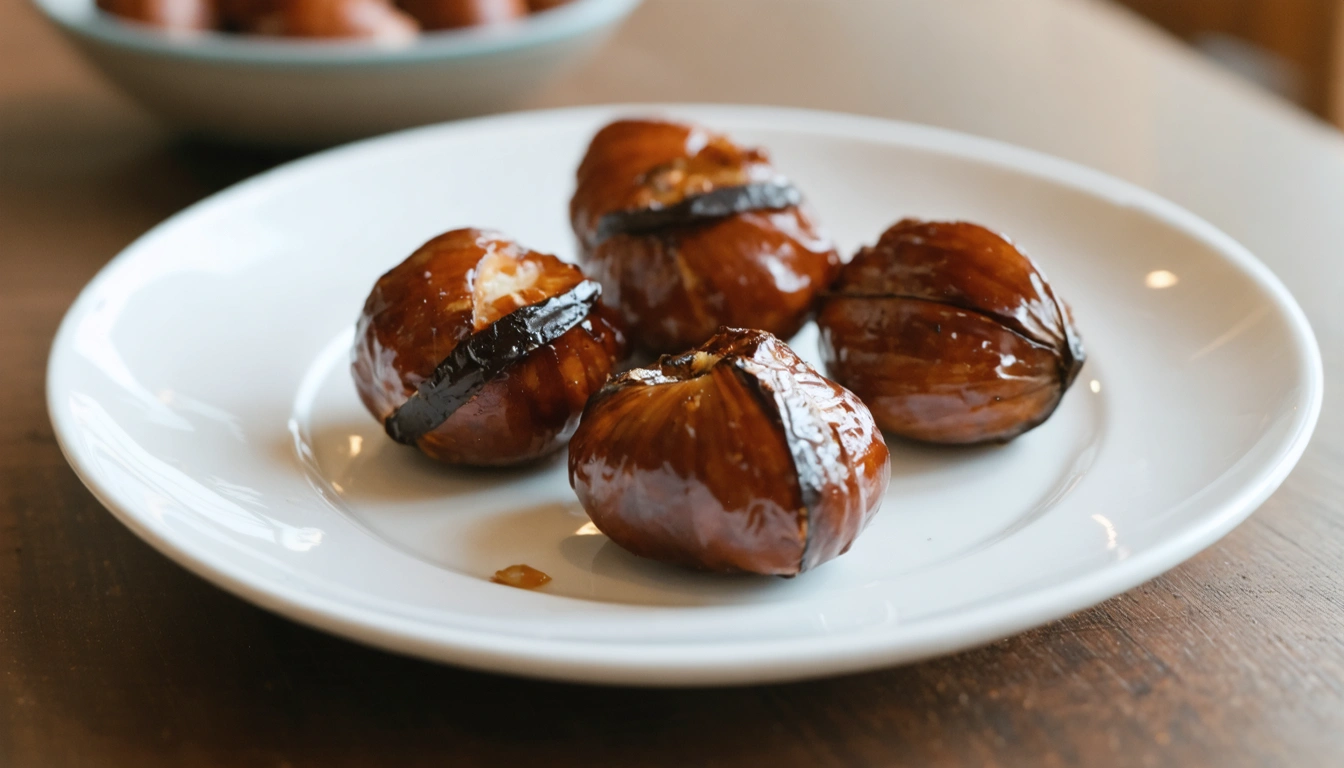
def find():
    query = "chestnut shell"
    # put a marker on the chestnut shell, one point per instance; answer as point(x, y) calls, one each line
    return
point(755, 259)
point(366, 19)
point(950, 334)
point(735, 456)
point(424, 308)
point(454, 14)
point(177, 15)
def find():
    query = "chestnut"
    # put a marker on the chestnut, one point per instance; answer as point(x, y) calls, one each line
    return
point(451, 14)
point(176, 15)
point(368, 19)
point(482, 352)
point(950, 334)
point(688, 232)
point(537, 6)
point(249, 15)
point(734, 456)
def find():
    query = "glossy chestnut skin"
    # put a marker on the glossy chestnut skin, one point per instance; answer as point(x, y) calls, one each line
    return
point(451, 14)
point(442, 294)
point(178, 15)
point(248, 15)
point(377, 20)
point(734, 457)
point(537, 6)
point(950, 334)
point(675, 287)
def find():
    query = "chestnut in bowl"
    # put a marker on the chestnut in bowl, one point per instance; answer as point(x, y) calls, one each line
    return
point(175, 15)
point(453, 14)
point(950, 334)
point(734, 456)
point(482, 352)
point(364, 19)
point(688, 232)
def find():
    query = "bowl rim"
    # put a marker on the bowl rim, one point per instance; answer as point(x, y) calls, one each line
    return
point(82, 19)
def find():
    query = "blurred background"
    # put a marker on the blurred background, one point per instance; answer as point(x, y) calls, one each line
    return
point(1294, 48)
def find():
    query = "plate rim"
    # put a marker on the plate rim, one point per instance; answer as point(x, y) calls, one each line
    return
point(746, 662)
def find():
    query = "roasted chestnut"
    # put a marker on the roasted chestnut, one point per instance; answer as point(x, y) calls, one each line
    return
point(368, 19)
point(734, 456)
point(249, 15)
point(177, 15)
point(687, 231)
point(483, 352)
point(950, 334)
point(451, 14)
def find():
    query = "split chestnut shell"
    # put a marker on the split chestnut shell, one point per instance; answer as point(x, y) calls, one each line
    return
point(480, 351)
point(688, 231)
point(950, 334)
point(735, 456)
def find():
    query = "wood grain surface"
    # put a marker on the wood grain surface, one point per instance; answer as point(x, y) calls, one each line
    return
point(112, 655)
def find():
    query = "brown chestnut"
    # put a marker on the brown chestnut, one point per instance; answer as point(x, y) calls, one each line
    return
point(537, 6)
point(249, 15)
point(376, 20)
point(451, 14)
point(177, 15)
point(482, 352)
point(687, 232)
point(735, 456)
point(950, 334)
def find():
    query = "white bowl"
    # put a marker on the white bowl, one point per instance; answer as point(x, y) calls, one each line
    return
point(271, 91)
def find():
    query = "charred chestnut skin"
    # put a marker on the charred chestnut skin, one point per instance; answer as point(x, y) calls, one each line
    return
point(950, 334)
point(676, 286)
point(734, 457)
point(436, 299)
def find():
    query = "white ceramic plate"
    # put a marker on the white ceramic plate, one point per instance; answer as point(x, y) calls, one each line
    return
point(200, 387)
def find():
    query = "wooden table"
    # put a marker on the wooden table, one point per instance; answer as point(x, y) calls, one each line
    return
point(111, 655)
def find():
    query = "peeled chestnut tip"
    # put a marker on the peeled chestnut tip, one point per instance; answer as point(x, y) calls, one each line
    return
point(950, 334)
point(701, 362)
point(735, 457)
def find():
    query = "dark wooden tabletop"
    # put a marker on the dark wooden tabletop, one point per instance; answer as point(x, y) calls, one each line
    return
point(112, 655)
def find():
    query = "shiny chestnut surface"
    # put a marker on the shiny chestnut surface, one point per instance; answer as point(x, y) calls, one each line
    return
point(451, 14)
point(675, 287)
point(179, 15)
point(457, 285)
point(368, 19)
point(736, 456)
point(950, 334)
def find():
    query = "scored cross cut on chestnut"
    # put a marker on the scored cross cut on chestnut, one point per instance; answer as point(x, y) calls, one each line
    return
point(950, 334)
point(482, 352)
point(734, 456)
